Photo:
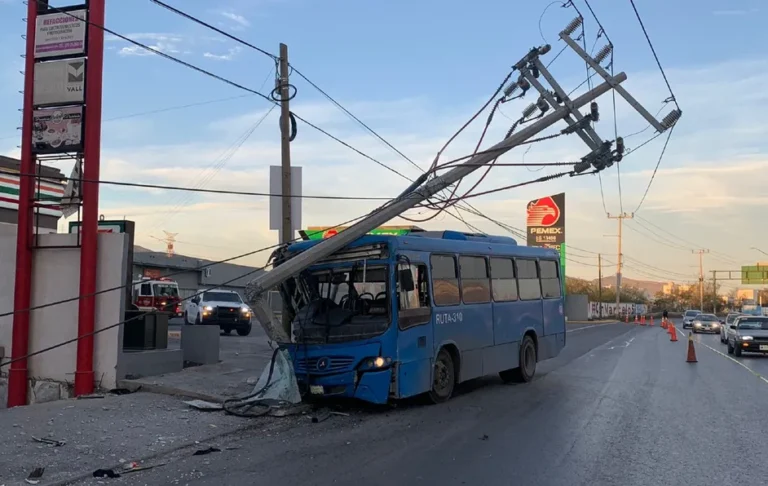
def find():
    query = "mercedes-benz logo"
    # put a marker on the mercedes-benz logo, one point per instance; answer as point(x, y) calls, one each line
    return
point(322, 364)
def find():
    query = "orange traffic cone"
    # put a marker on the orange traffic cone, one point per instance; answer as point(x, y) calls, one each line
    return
point(642, 320)
point(626, 318)
point(635, 318)
point(672, 334)
point(691, 350)
point(663, 323)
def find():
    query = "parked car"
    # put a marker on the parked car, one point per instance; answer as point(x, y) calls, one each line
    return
point(223, 308)
point(748, 334)
point(689, 316)
point(729, 319)
point(706, 323)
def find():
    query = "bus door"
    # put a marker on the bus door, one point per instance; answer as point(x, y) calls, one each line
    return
point(551, 295)
point(415, 338)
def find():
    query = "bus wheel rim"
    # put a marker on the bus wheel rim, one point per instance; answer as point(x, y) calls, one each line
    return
point(528, 359)
point(442, 380)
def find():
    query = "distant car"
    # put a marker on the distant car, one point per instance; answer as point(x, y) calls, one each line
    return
point(748, 334)
point(223, 308)
point(706, 323)
point(688, 318)
point(729, 319)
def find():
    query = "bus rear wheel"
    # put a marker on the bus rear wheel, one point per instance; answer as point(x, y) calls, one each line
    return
point(527, 369)
point(444, 378)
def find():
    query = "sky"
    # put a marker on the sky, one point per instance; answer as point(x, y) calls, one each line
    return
point(415, 72)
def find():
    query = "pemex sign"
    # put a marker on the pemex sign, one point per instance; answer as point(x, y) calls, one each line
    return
point(545, 225)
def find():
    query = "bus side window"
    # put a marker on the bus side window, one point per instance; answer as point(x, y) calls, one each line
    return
point(445, 280)
point(419, 296)
point(475, 283)
point(146, 290)
point(550, 282)
point(504, 283)
point(528, 279)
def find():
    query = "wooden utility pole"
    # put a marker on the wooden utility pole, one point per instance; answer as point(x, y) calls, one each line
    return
point(600, 285)
point(701, 276)
point(285, 145)
point(619, 260)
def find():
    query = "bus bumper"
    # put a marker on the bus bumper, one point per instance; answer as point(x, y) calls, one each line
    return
point(371, 386)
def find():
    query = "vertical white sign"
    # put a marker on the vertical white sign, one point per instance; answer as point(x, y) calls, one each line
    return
point(59, 82)
point(60, 34)
point(276, 201)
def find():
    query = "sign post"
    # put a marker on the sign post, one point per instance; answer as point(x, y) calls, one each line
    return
point(545, 226)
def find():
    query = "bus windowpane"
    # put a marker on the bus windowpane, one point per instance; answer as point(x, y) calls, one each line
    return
point(526, 269)
point(502, 268)
point(445, 282)
point(504, 289)
point(473, 267)
point(550, 287)
point(548, 269)
point(530, 288)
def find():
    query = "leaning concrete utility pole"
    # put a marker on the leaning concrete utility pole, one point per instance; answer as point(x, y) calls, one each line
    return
point(529, 67)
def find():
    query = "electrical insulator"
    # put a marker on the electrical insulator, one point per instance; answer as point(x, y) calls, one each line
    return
point(571, 28)
point(671, 118)
point(511, 88)
point(529, 110)
point(542, 105)
point(594, 113)
point(603, 53)
point(544, 49)
point(620, 145)
point(581, 166)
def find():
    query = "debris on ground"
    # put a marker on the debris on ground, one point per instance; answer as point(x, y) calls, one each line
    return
point(34, 476)
point(105, 473)
point(320, 416)
point(90, 397)
point(203, 452)
point(204, 406)
point(50, 442)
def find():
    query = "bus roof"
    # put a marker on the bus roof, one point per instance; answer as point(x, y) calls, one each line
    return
point(444, 241)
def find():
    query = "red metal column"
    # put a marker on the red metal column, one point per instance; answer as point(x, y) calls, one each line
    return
point(84, 377)
point(17, 376)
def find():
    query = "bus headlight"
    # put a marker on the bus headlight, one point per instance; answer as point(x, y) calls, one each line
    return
point(377, 363)
point(208, 308)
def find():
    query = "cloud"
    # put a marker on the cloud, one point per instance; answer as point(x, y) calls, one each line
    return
point(238, 20)
point(230, 55)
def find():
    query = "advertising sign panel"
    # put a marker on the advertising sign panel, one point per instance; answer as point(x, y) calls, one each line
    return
point(545, 225)
point(59, 82)
point(57, 130)
point(60, 34)
point(321, 232)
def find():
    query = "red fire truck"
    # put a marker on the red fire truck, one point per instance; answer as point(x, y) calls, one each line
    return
point(157, 294)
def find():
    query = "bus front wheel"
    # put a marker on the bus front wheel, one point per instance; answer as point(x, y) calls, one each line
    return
point(524, 373)
point(444, 378)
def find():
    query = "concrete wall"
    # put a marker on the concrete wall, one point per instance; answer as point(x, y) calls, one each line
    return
point(56, 276)
point(577, 307)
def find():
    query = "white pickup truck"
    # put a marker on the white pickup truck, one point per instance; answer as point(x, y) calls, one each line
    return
point(223, 308)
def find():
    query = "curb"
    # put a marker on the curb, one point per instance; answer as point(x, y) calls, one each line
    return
point(167, 390)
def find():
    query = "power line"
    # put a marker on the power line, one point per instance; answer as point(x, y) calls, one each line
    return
point(215, 29)
point(687, 242)
point(655, 56)
point(655, 169)
point(198, 190)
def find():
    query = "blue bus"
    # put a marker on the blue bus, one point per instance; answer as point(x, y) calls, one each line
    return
point(391, 317)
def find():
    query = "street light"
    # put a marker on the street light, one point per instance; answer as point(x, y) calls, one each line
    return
point(758, 249)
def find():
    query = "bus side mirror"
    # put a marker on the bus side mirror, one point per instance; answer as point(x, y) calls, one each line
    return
point(733, 326)
point(405, 278)
point(195, 300)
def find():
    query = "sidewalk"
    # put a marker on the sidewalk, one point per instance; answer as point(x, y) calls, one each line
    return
point(104, 433)
point(242, 361)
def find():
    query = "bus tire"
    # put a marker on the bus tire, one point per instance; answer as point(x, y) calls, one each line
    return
point(444, 378)
point(527, 369)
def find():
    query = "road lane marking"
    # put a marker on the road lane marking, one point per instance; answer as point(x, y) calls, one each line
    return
point(592, 327)
point(728, 357)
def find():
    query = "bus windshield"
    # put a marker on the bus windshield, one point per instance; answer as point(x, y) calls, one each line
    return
point(344, 303)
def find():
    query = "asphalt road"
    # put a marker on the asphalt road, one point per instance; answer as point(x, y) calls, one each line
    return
point(619, 406)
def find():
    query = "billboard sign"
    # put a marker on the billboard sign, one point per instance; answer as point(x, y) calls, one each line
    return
point(754, 275)
point(59, 82)
point(545, 225)
point(57, 130)
point(60, 34)
point(322, 232)
point(104, 226)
